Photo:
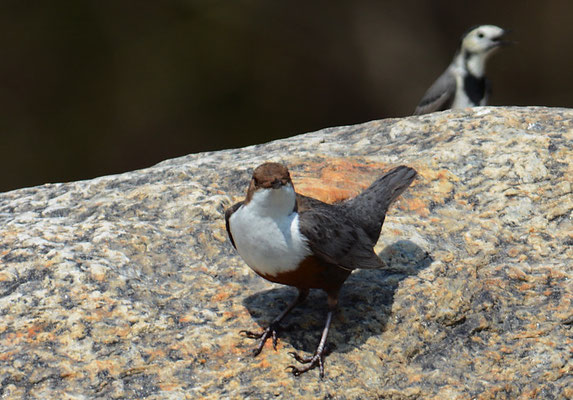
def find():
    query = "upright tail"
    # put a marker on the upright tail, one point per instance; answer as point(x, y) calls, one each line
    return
point(369, 208)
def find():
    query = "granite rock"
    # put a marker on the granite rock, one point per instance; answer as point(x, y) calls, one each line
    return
point(126, 286)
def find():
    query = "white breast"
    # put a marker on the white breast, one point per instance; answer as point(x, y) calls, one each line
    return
point(461, 100)
point(266, 232)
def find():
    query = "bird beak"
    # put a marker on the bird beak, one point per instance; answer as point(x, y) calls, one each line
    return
point(276, 184)
point(501, 41)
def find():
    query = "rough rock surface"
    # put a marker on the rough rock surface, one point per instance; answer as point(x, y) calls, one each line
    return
point(126, 287)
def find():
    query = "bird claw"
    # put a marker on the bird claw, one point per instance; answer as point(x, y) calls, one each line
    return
point(302, 360)
point(310, 361)
point(270, 332)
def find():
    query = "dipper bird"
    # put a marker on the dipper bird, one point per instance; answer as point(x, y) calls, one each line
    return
point(464, 84)
point(299, 241)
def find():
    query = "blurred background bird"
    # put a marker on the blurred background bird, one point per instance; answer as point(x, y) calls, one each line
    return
point(90, 88)
point(464, 84)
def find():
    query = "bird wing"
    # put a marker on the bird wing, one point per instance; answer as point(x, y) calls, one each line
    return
point(369, 208)
point(439, 96)
point(228, 212)
point(333, 237)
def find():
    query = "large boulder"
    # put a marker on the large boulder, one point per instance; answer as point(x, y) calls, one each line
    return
point(126, 286)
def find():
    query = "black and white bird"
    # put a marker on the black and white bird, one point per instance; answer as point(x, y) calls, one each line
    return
point(299, 241)
point(463, 84)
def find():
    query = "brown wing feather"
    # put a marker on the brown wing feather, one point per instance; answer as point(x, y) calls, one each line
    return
point(333, 237)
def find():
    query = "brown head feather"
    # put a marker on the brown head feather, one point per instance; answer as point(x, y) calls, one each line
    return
point(267, 176)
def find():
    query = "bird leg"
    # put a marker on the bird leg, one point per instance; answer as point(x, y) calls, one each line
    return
point(271, 330)
point(318, 357)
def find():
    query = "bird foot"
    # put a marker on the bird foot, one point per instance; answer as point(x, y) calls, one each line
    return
point(270, 332)
point(310, 361)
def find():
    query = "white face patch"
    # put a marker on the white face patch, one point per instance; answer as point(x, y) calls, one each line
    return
point(266, 232)
point(482, 39)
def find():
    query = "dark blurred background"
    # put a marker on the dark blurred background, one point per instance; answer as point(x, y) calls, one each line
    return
point(90, 88)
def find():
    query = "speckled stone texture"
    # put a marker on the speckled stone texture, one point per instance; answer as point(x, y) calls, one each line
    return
point(126, 286)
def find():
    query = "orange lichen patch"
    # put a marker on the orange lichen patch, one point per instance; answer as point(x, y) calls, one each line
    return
point(187, 318)
point(7, 355)
point(33, 331)
point(337, 179)
point(547, 292)
point(264, 363)
point(221, 295)
point(326, 191)
point(416, 205)
point(228, 315)
point(526, 286)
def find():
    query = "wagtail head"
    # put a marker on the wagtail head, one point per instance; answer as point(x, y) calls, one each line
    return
point(484, 39)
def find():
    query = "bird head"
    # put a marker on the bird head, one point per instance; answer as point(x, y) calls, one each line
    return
point(484, 39)
point(271, 186)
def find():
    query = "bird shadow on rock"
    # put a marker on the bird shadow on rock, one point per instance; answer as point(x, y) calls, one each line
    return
point(365, 303)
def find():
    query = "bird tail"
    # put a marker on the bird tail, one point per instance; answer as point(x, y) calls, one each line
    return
point(369, 208)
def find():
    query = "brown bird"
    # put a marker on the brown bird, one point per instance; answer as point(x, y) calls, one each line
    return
point(299, 241)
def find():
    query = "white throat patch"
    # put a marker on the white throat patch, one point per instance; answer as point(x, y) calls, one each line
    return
point(266, 232)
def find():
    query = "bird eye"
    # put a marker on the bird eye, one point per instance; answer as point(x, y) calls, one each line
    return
point(480, 35)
